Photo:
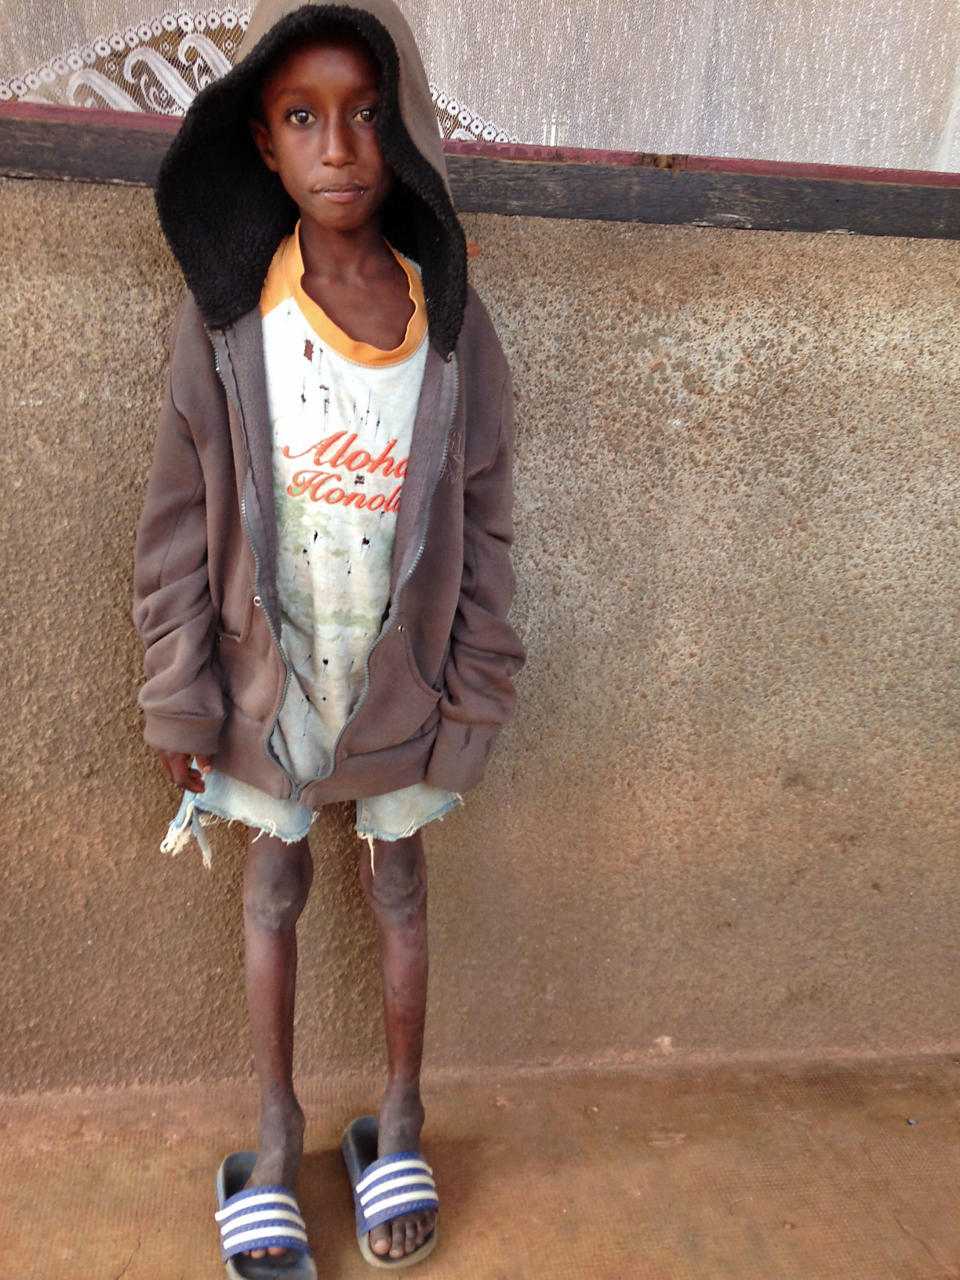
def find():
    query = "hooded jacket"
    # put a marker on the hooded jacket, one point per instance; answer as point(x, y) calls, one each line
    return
point(438, 677)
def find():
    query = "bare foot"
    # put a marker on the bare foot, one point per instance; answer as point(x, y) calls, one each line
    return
point(279, 1151)
point(401, 1119)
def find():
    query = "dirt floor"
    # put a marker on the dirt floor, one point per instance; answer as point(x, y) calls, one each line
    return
point(772, 1173)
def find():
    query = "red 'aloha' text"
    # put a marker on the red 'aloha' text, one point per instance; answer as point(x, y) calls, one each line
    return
point(322, 483)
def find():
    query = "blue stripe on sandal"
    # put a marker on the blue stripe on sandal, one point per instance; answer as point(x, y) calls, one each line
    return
point(266, 1217)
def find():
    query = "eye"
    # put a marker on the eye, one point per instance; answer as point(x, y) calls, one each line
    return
point(367, 114)
point(300, 116)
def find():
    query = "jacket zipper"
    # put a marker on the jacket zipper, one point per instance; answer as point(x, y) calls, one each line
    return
point(258, 602)
point(388, 625)
point(258, 598)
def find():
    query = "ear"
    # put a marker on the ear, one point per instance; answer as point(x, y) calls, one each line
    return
point(263, 142)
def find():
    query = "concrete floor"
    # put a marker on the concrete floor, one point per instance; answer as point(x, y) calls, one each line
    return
point(773, 1173)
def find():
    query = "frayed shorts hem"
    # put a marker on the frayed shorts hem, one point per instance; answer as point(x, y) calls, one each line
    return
point(391, 817)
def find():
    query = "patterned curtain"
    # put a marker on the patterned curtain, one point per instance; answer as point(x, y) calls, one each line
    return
point(864, 82)
point(156, 61)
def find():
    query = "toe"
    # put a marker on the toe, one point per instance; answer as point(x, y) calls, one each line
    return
point(380, 1240)
point(398, 1247)
point(257, 1253)
point(277, 1253)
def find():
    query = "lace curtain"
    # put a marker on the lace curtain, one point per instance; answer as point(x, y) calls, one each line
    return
point(865, 82)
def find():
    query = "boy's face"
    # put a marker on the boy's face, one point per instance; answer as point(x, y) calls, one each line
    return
point(319, 133)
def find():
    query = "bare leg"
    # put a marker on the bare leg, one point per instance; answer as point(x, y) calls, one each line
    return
point(275, 887)
point(397, 893)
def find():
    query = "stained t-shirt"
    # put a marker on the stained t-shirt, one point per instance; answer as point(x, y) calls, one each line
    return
point(341, 416)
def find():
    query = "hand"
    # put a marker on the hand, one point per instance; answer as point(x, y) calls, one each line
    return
point(176, 765)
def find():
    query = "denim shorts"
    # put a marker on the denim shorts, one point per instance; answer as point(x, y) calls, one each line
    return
point(224, 799)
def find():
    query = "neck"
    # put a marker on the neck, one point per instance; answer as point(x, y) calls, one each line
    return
point(340, 255)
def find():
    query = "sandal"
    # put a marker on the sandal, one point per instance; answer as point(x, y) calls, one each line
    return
point(385, 1188)
point(259, 1218)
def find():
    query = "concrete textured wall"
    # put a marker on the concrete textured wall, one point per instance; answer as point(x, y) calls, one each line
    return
point(725, 821)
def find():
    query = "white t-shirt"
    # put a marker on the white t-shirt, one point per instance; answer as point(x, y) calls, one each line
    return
point(341, 416)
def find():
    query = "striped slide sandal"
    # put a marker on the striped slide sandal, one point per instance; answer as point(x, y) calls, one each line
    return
point(385, 1188)
point(259, 1218)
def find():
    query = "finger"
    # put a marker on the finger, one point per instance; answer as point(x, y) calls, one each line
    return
point(193, 781)
point(205, 763)
point(183, 775)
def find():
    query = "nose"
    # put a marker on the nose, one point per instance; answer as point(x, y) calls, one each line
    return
point(336, 144)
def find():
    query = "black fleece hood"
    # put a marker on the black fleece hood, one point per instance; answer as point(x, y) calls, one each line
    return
point(224, 213)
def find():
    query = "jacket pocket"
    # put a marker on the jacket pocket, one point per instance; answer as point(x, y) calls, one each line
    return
point(415, 672)
point(236, 616)
point(400, 705)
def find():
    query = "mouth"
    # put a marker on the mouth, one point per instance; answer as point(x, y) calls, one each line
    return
point(345, 193)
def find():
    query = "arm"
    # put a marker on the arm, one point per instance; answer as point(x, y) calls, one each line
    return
point(485, 653)
point(181, 698)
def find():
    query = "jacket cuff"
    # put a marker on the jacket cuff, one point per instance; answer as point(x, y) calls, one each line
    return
point(460, 753)
point(194, 735)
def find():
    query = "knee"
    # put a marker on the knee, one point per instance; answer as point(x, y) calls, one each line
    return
point(398, 888)
point(275, 888)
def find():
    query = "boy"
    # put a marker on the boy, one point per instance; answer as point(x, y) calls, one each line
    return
point(322, 571)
